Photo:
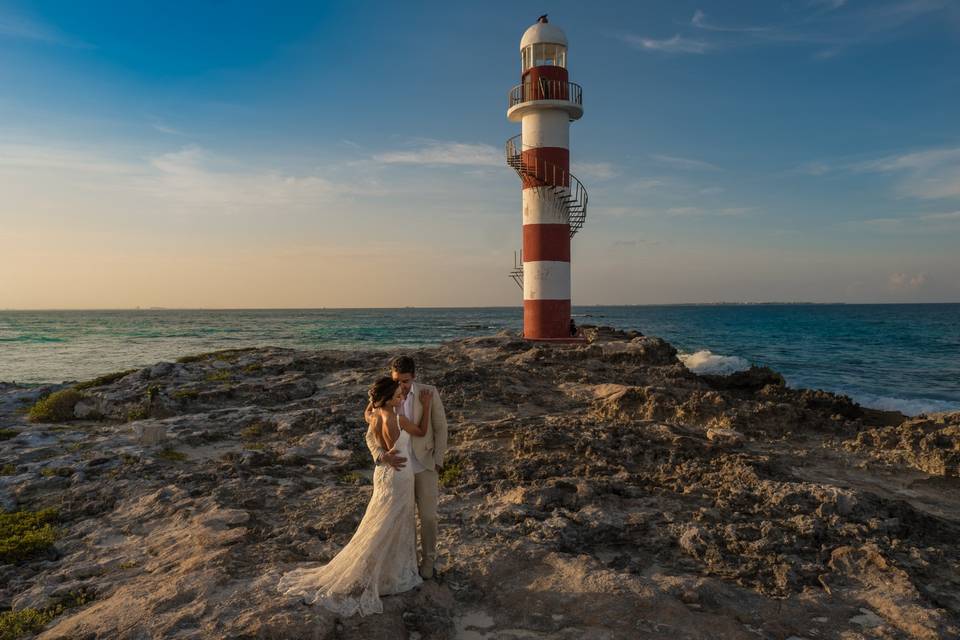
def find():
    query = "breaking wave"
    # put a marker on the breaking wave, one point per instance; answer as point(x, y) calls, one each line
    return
point(906, 406)
point(706, 361)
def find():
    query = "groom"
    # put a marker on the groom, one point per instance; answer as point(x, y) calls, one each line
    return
point(427, 454)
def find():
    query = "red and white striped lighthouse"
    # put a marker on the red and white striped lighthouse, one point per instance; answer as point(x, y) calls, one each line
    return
point(554, 202)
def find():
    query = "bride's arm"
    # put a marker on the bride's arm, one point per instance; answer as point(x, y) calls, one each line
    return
point(374, 437)
point(413, 428)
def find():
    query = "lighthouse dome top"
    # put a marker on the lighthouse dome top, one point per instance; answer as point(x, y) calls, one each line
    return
point(543, 32)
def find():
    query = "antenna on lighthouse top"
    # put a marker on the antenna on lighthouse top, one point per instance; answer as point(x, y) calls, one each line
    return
point(543, 19)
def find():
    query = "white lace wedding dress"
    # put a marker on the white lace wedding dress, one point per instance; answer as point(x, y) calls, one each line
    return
point(381, 557)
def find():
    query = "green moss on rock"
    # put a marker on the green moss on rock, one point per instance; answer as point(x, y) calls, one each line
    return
point(354, 478)
point(102, 380)
point(63, 472)
point(224, 355)
point(171, 454)
point(138, 412)
point(56, 407)
point(24, 534)
point(451, 473)
point(16, 624)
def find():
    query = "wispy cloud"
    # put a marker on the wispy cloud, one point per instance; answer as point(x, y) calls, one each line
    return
point(828, 5)
point(436, 152)
point(163, 128)
point(20, 27)
point(633, 244)
point(814, 169)
point(829, 25)
point(947, 216)
point(594, 170)
point(194, 180)
point(191, 179)
point(601, 211)
point(918, 224)
point(676, 44)
point(706, 211)
point(914, 160)
point(684, 211)
point(197, 178)
point(915, 219)
point(928, 174)
point(29, 157)
point(906, 282)
point(699, 20)
point(736, 211)
point(684, 163)
point(640, 185)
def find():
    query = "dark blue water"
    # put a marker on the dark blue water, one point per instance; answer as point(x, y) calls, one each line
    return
point(890, 356)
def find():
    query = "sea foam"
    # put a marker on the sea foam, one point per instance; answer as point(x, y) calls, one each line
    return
point(705, 361)
point(907, 406)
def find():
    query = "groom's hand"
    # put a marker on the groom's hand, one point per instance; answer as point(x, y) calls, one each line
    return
point(393, 459)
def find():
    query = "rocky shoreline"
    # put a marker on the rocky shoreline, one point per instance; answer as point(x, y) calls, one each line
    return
point(599, 490)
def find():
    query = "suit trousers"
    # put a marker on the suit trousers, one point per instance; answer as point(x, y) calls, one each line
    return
point(426, 488)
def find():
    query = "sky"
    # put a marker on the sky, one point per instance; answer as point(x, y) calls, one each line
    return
point(219, 154)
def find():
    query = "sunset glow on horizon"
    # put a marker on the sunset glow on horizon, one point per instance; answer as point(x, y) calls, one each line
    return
point(249, 156)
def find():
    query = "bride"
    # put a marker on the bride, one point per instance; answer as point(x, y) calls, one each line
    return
point(381, 558)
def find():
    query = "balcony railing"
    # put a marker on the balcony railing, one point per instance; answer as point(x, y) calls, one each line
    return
point(544, 89)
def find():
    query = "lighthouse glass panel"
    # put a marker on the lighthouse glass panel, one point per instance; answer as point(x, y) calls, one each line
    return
point(549, 55)
point(544, 55)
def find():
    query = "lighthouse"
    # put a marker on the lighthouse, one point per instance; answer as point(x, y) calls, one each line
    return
point(554, 201)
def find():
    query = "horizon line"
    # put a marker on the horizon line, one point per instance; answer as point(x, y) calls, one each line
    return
point(518, 307)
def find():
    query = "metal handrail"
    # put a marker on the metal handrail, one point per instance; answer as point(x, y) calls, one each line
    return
point(565, 191)
point(544, 89)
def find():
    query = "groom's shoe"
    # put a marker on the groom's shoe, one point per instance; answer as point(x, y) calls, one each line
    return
point(426, 572)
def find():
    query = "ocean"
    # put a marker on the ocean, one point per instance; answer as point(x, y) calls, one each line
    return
point(904, 357)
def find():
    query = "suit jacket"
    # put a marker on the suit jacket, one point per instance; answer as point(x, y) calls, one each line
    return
point(431, 447)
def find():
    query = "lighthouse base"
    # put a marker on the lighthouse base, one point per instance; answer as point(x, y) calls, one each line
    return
point(546, 320)
point(568, 340)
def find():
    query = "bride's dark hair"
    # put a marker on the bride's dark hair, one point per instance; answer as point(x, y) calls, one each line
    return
point(382, 390)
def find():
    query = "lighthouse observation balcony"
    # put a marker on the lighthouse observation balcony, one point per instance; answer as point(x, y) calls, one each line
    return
point(557, 186)
point(545, 93)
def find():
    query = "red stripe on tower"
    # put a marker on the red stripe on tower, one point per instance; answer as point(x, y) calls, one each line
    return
point(550, 317)
point(546, 242)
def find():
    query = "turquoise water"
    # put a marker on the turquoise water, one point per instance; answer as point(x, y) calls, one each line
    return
point(891, 356)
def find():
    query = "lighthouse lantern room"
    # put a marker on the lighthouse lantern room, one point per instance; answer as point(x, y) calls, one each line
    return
point(554, 201)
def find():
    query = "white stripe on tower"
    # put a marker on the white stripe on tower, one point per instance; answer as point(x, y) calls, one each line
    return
point(539, 210)
point(546, 128)
point(546, 280)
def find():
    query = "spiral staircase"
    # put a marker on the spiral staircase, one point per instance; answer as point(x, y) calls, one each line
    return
point(559, 188)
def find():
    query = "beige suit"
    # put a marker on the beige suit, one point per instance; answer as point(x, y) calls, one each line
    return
point(430, 450)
